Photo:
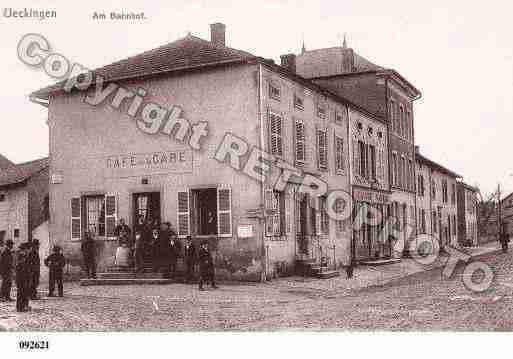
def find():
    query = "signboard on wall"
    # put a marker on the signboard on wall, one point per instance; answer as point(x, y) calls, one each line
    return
point(370, 196)
point(143, 164)
point(245, 231)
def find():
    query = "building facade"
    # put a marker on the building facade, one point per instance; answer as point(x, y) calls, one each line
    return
point(23, 200)
point(390, 97)
point(437, 210)
point(233, 188)
point(467, 214)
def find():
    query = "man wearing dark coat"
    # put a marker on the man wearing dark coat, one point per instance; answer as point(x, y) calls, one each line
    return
point(35, 269)
point(174, 253)
point(504, 238)
point(23, 277)
point(189, 259)
point(89, 254)
point(55, 262)
point(123, 233)
point(206, 266)
point(6, 267)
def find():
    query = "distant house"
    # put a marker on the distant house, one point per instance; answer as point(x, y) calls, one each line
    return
point(23, 198)
point(5, 163)
point(467, 214)
point(507, 213)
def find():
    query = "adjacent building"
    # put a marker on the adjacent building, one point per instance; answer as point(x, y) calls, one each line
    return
point(436, 201)
point(119, 158)
point(467, 214)
point(389, 97)
point(23, 200)
point(506, 213)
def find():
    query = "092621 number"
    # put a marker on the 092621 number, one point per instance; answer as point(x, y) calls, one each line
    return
point(34, 345)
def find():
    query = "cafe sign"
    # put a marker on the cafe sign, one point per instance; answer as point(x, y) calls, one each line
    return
point(151, 163)
point(370, 196)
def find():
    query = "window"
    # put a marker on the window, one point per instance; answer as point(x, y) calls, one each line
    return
point(2, 197)
point(391, 115)
point(2, 236)
point(454, 224)
point(95, 215)
point(321, 111)
point(372, 161)
point(339, 154)
point(276, 134)
point(363, 158)
point(411, 176)
point(275, 205)
point(434, 222)
point(274, 91)
point(339, 208)
point(421, 185)
point(322, 149)
point(338, 117)
point(453, 193)
point(298, 102)
point(444, 191)
point(410, 125)
point(325, 221)
point(423, 221)
point(401, 121)
point(394, 169)
point(205, 211)
point(16, 233)
point(433, 189)
point(299, 141)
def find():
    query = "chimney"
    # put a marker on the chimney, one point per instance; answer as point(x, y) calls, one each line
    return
point(288, 61)
point(217, 32)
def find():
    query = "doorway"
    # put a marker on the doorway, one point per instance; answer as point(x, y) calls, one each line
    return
point(146, 205)
point(301, 224)
point(204, 212)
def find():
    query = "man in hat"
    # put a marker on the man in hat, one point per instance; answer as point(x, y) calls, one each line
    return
point(6, 266)
point(55, 262)
point(89, 254)
point(35, 268)
point(190, 259)
point(23, 277)
point(206, 266)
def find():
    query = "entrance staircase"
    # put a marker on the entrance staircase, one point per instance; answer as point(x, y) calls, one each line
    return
point(312, 268)
point(125, 276)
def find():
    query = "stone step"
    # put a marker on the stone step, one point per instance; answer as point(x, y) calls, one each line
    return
point(379, 262)
point(328, 274)
point(126, 281)
point(128, 275)
point(317, 269)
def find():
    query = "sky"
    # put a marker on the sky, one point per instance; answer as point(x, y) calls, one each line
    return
point(458, 53)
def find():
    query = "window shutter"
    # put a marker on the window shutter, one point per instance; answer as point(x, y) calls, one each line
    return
point(300, 141)
point(289, 197)
point(339, 153)
point(276, 134)
point(183, 214)
point(322, 149)
point(318, 217)
point(356, 157)
point(224, 212)
point(76, 218)
point(269, 219)
point(110, 216)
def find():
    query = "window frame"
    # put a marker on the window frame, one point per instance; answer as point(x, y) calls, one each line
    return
point(273, 86)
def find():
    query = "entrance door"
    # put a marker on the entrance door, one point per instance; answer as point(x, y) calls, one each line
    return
point(147, 206)
point(301, 224)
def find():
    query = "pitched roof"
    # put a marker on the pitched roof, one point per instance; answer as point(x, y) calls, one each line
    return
point(186, 53)
point(426, 161)
point(23, 171)
point(4, 162)
point(469, 187)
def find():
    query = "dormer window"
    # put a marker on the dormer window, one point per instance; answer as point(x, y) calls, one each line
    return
point(274, 92)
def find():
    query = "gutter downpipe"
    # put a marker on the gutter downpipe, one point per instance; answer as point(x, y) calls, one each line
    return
point(263, 276)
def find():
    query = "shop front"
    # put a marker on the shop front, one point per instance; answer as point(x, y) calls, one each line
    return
point(371, 210)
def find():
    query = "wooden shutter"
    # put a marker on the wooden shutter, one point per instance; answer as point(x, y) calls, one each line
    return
point(110, 216)
point(76, 218)
point(224, 212)
point(299, 132)
point(322, 149)
point(356, 157)
point(339, 153)
point(269, 219)
point(289, 202)
point(276, 134)
point(183, 219)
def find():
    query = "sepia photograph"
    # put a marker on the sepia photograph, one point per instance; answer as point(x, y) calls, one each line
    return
point(318, 169)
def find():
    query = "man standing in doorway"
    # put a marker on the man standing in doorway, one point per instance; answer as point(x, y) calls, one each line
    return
point(89, 255)
point(190, 259)
point(6, 266)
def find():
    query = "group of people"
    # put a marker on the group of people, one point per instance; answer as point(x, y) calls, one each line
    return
point(154, 245)
point(25, 265)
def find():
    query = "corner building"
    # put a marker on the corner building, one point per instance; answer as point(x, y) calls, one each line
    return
point(106, 165)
